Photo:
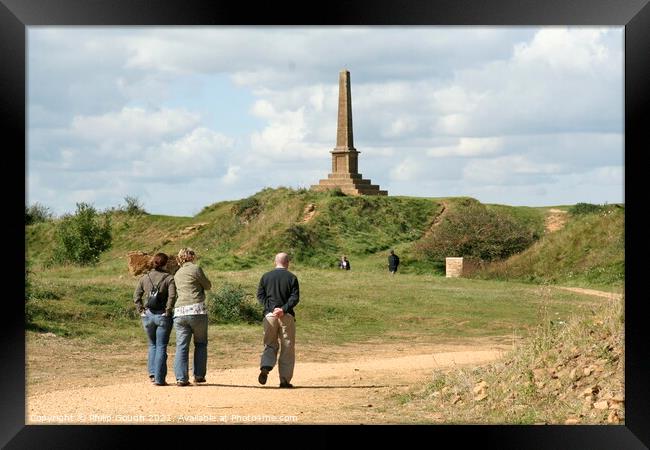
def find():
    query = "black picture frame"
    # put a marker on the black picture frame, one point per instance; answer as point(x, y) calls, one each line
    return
point(634, 15)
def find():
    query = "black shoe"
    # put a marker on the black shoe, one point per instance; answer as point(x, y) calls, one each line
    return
point(264, 372)
point(160, 384)
point(152, 378)
point(182, 383)
point(285, 385)
point(199, 379)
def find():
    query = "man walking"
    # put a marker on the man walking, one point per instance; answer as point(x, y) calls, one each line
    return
point(279, 292)
point(393, 262)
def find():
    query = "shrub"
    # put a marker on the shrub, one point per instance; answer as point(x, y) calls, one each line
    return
point(37, 213)
point(229, 304)
point(584, 208)
point(299, 238)
point(246, 209)
point(81, 238)
point(471, 230)
point(336, 192)
point(133, 206)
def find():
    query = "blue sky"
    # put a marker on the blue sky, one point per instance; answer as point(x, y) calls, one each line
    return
point(182, 117)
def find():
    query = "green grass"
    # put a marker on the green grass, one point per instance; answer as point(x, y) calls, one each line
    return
point(532, 218)
point(336, 306)
point(245, 234)
point(588, 252)
point(238, 235)
point(236, 241)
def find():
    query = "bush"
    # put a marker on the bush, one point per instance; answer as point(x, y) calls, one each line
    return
point(229, 304)
point(133, 206)
point(37, 213)
point(584, 208)
point(471, 230)
point(246, 209)
point(336, 192)
point(81, 238)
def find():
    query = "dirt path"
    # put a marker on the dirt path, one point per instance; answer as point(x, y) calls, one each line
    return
point(609, 295)
point(338, 392)
point(555, 220)
point(350, 384)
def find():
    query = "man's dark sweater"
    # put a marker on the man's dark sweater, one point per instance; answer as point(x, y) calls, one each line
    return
point(393, 262)
point(278, 288)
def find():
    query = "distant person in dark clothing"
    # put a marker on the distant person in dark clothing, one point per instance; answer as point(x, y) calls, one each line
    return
point(279, 292)
point(393, 262)
point(344, 263)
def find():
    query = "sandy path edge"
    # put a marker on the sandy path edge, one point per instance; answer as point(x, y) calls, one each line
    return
point(324, 393)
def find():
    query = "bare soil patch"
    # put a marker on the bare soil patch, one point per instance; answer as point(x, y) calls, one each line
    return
point(555, 220)
point(609, 295)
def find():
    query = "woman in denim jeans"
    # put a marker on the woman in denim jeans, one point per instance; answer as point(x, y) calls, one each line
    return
point(190, 318)
point(157, 318)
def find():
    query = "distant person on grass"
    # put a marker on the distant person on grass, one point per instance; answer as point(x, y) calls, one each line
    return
point(393, 262)
point(190, 318)
point(279, 292)
point(156, 313)
point(344, 264)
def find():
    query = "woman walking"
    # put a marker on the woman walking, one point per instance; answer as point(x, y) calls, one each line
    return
point(159, 291)
point(190, 318)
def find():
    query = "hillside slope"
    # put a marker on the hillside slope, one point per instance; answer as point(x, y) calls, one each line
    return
point(589, 250)
point(316, 228)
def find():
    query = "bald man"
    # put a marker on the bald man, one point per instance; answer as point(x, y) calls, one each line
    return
point(278, 292)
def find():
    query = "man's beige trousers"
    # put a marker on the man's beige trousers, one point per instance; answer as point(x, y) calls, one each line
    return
point(280, 334)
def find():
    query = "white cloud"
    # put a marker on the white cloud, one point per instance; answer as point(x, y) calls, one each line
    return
point(509, 112)
point(563, 49)
point(401, 126)
point(469, 147)
point(134, 125)
point(513, 169)
point(284, 133)
point(291, 134)
point(200, 153)
point(232, 175)
point(406, 170)
point(604, 176)
point(263, 109)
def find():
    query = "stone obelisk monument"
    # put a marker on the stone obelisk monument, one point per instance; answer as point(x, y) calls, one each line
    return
point(345, 169)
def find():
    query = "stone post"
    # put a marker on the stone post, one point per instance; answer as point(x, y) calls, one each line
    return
point(453, 267)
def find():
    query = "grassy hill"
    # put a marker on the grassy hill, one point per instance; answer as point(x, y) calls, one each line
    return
point(315, 228)
point(588, 251)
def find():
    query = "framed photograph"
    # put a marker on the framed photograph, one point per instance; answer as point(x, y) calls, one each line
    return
point(184, 109)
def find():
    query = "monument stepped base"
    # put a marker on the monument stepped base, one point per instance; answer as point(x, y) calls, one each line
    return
point(350, 184)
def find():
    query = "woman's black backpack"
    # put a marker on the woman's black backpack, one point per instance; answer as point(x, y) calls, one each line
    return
point(157, 300)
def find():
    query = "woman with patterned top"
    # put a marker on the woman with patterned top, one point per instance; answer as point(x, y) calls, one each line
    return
point(190, 318)
point(156, 314)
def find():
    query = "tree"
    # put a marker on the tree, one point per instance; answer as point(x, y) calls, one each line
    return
point(81, 238)
point(471, 230)
point(133, 206)
point(37, 212)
